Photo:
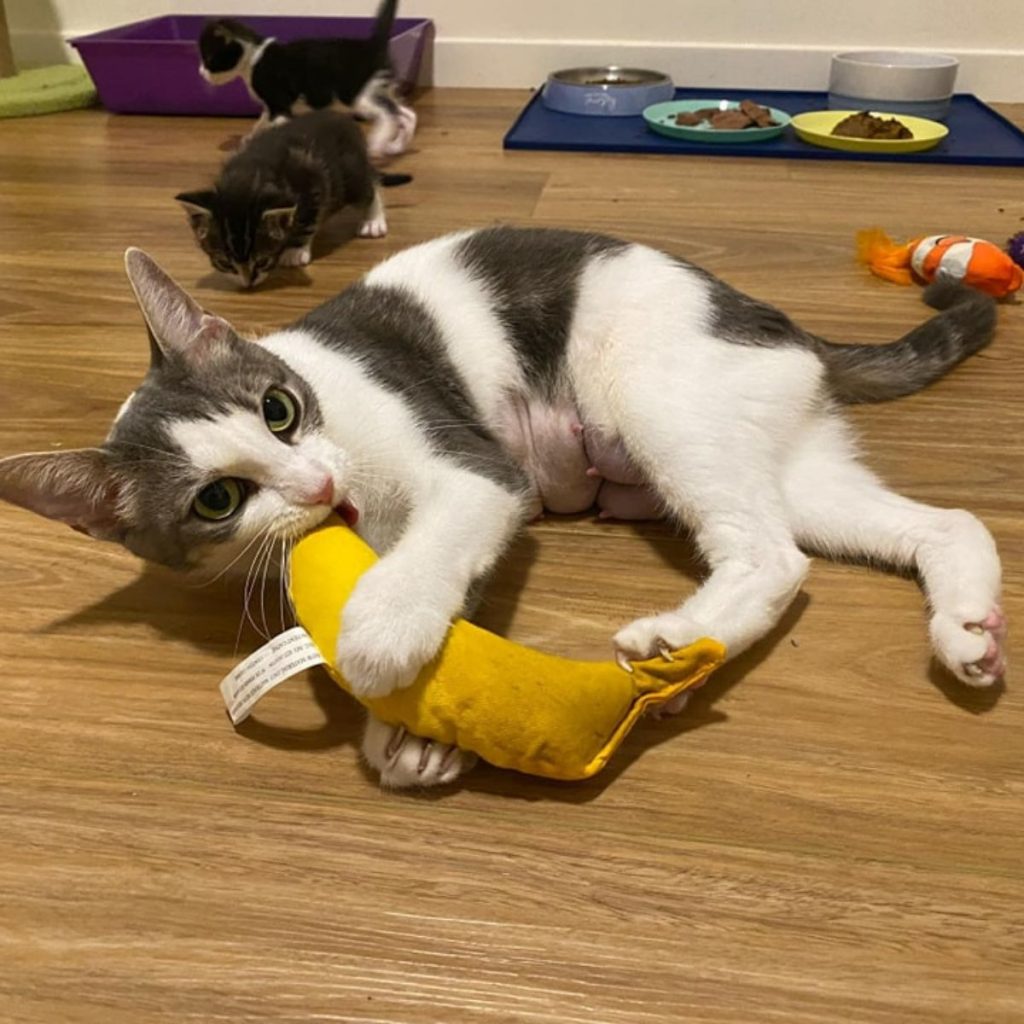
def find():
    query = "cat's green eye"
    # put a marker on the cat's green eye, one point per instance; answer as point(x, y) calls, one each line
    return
point(279, 411)
point(219, 500)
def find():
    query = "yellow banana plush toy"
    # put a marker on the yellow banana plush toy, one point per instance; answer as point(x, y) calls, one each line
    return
point(515, 707)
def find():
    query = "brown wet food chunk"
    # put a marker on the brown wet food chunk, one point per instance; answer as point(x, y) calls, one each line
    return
point(761, 116)
point(730, 120)
point(748, 115)
point(866, 126)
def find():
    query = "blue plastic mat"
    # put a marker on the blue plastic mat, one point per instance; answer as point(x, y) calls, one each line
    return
point(977, 134)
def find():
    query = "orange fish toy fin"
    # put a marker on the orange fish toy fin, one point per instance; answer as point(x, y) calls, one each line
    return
point(993, 271)
point(884, 257)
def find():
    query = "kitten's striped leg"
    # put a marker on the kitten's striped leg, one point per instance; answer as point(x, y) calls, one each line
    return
point(299, 250)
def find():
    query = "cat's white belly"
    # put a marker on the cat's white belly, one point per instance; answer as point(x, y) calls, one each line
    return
point(572, 465)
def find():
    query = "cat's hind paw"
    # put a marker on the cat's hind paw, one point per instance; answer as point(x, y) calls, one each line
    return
point(656, 635)
point(972, 648)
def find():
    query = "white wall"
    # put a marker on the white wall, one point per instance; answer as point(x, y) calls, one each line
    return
point(782, 43)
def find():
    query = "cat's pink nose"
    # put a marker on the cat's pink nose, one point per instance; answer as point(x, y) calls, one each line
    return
point(324, 493)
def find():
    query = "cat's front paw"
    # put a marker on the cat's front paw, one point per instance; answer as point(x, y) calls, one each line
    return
point(405, 761)
point(375, 227)
point(298, 256)
point(389, 631)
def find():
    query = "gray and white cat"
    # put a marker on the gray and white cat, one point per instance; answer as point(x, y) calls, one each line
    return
point(470, 380)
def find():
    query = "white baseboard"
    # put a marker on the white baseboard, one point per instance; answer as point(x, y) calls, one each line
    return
point(996, 75)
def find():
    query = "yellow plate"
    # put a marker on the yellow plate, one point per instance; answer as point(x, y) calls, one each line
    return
point(816, 128)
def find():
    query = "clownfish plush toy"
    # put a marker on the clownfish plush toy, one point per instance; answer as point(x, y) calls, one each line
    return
point(973, 261)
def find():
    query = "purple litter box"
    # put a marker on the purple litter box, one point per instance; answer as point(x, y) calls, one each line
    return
point(152, 67)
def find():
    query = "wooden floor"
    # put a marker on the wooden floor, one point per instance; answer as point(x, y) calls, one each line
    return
point(833, 833)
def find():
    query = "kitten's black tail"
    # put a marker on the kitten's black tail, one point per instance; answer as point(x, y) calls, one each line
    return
point(385, 21)
point(877, 373)
point(391, 180)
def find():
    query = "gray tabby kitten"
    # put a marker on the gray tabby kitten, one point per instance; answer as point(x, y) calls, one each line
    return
point(272, 196)
point(469, 381)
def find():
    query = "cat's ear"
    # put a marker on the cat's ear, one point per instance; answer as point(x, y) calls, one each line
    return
point(279, 220)
point(77, 487)
point(198, 207)
point(175, 320)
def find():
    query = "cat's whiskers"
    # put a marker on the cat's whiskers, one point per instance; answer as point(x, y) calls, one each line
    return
point(267, 563)
point(234, 561)
point(264, 537)
point(280, 581)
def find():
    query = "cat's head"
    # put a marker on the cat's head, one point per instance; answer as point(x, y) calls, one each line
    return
point(219, 448)
point(226, 47)
point(243, 232)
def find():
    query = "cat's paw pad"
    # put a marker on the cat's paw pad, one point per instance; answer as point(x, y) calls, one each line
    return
point(298, 257)
point(656, 635)
point(405, 761)
point(376, 227)
point(972, 647)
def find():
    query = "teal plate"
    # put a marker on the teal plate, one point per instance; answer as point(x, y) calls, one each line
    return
point(662, 118)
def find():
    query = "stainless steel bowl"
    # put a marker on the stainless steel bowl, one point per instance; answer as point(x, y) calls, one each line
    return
point(609, 91)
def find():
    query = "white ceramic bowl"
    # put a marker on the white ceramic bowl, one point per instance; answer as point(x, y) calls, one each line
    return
point(900, 81)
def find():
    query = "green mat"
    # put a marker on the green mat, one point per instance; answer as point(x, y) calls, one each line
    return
point(46, 90)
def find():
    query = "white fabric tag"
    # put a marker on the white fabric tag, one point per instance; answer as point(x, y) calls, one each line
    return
point(273, 663)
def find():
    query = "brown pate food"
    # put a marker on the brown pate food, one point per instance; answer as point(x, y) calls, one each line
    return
point(866, 126)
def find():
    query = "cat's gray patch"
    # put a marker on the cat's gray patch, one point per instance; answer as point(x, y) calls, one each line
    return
point(232, 374)
point(866, 373)
point(533, 276)
point(877, 373)
point(747, 321)
point(398, 341)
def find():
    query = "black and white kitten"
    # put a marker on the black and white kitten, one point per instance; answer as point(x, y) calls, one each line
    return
point(311, 74)
point(470, 380)
point(271, 197)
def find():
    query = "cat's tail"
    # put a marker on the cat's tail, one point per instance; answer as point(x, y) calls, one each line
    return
point(385, 22)
point(392, 180)
point(877, 373)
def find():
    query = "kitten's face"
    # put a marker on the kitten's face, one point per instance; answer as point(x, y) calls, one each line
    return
point(223, 53)
point(244, 236)
point(219, 449)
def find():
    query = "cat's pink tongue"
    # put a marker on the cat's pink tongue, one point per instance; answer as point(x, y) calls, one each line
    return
point(348, 512)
